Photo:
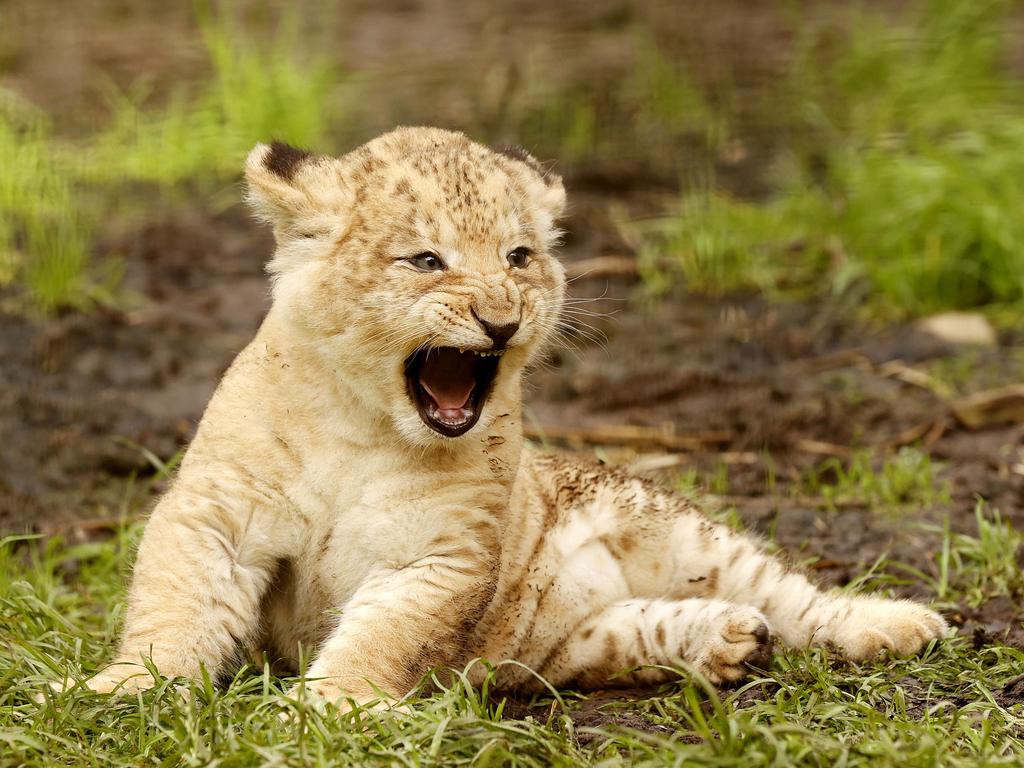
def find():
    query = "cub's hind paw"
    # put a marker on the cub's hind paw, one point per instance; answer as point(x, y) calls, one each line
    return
point(877, 626)
point(739, 640)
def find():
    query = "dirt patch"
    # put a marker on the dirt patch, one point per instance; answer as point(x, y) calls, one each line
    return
point(1012, 693)
point(920, 697)
point(81, 396)
point(605, 710)
point(997, 621)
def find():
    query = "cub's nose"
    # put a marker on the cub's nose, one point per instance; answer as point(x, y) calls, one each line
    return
point(499, 333)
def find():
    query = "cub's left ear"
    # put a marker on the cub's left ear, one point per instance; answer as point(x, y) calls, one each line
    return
point(552, 197)
point(545, 185)
point(298, 192)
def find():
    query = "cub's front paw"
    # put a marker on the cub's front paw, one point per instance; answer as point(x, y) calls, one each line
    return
point(874, 626)
point(320, 693)
point(118, 679)
point(737, 640)
point(121, 680)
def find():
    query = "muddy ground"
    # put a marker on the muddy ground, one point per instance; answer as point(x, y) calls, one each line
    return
point(750, 392)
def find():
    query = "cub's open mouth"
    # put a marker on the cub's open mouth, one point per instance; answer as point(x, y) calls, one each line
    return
point(449, 387)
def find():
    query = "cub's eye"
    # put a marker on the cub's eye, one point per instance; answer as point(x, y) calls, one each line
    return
point(520, 257)
point(426, 262)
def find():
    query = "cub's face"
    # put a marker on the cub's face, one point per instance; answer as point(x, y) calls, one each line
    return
point(419, 267)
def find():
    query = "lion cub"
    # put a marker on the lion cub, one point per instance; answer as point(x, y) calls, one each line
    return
point(358, 487)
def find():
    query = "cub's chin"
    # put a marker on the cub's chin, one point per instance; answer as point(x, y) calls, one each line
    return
point(449, 387)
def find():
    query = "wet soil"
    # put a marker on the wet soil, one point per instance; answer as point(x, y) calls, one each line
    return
point(603, 709)
point(84, 396)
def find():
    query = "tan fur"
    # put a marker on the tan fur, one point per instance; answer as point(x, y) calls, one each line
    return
point(315, 514)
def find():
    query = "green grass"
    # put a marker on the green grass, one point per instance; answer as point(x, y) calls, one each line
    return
point(45, 229)
point(719, 245)
point(54, 191)
point(906, 478)
point(897, 146)
point(692, 482)
point(644, 119)
point(255, 93)
point(983, 567)
point(60, 606)
point(936, 227)
point(898, 177)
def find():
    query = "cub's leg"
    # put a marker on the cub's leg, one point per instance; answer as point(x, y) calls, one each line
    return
point(665, 547)
point(201, 571)
point(407, 616)
point(721, 640)
point(711, 560)
point(612, 536)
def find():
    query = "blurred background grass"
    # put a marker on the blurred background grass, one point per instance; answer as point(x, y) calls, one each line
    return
point(871, 153)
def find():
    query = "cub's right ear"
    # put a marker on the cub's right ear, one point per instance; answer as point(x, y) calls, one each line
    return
point(296, 191)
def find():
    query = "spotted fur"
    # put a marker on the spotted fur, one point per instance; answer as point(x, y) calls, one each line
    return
point(316, 514)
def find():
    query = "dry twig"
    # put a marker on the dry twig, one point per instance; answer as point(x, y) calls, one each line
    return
point(601, 266)
point(627, 434)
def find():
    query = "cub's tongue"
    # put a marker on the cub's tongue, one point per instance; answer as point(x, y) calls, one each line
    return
point(447, 376)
